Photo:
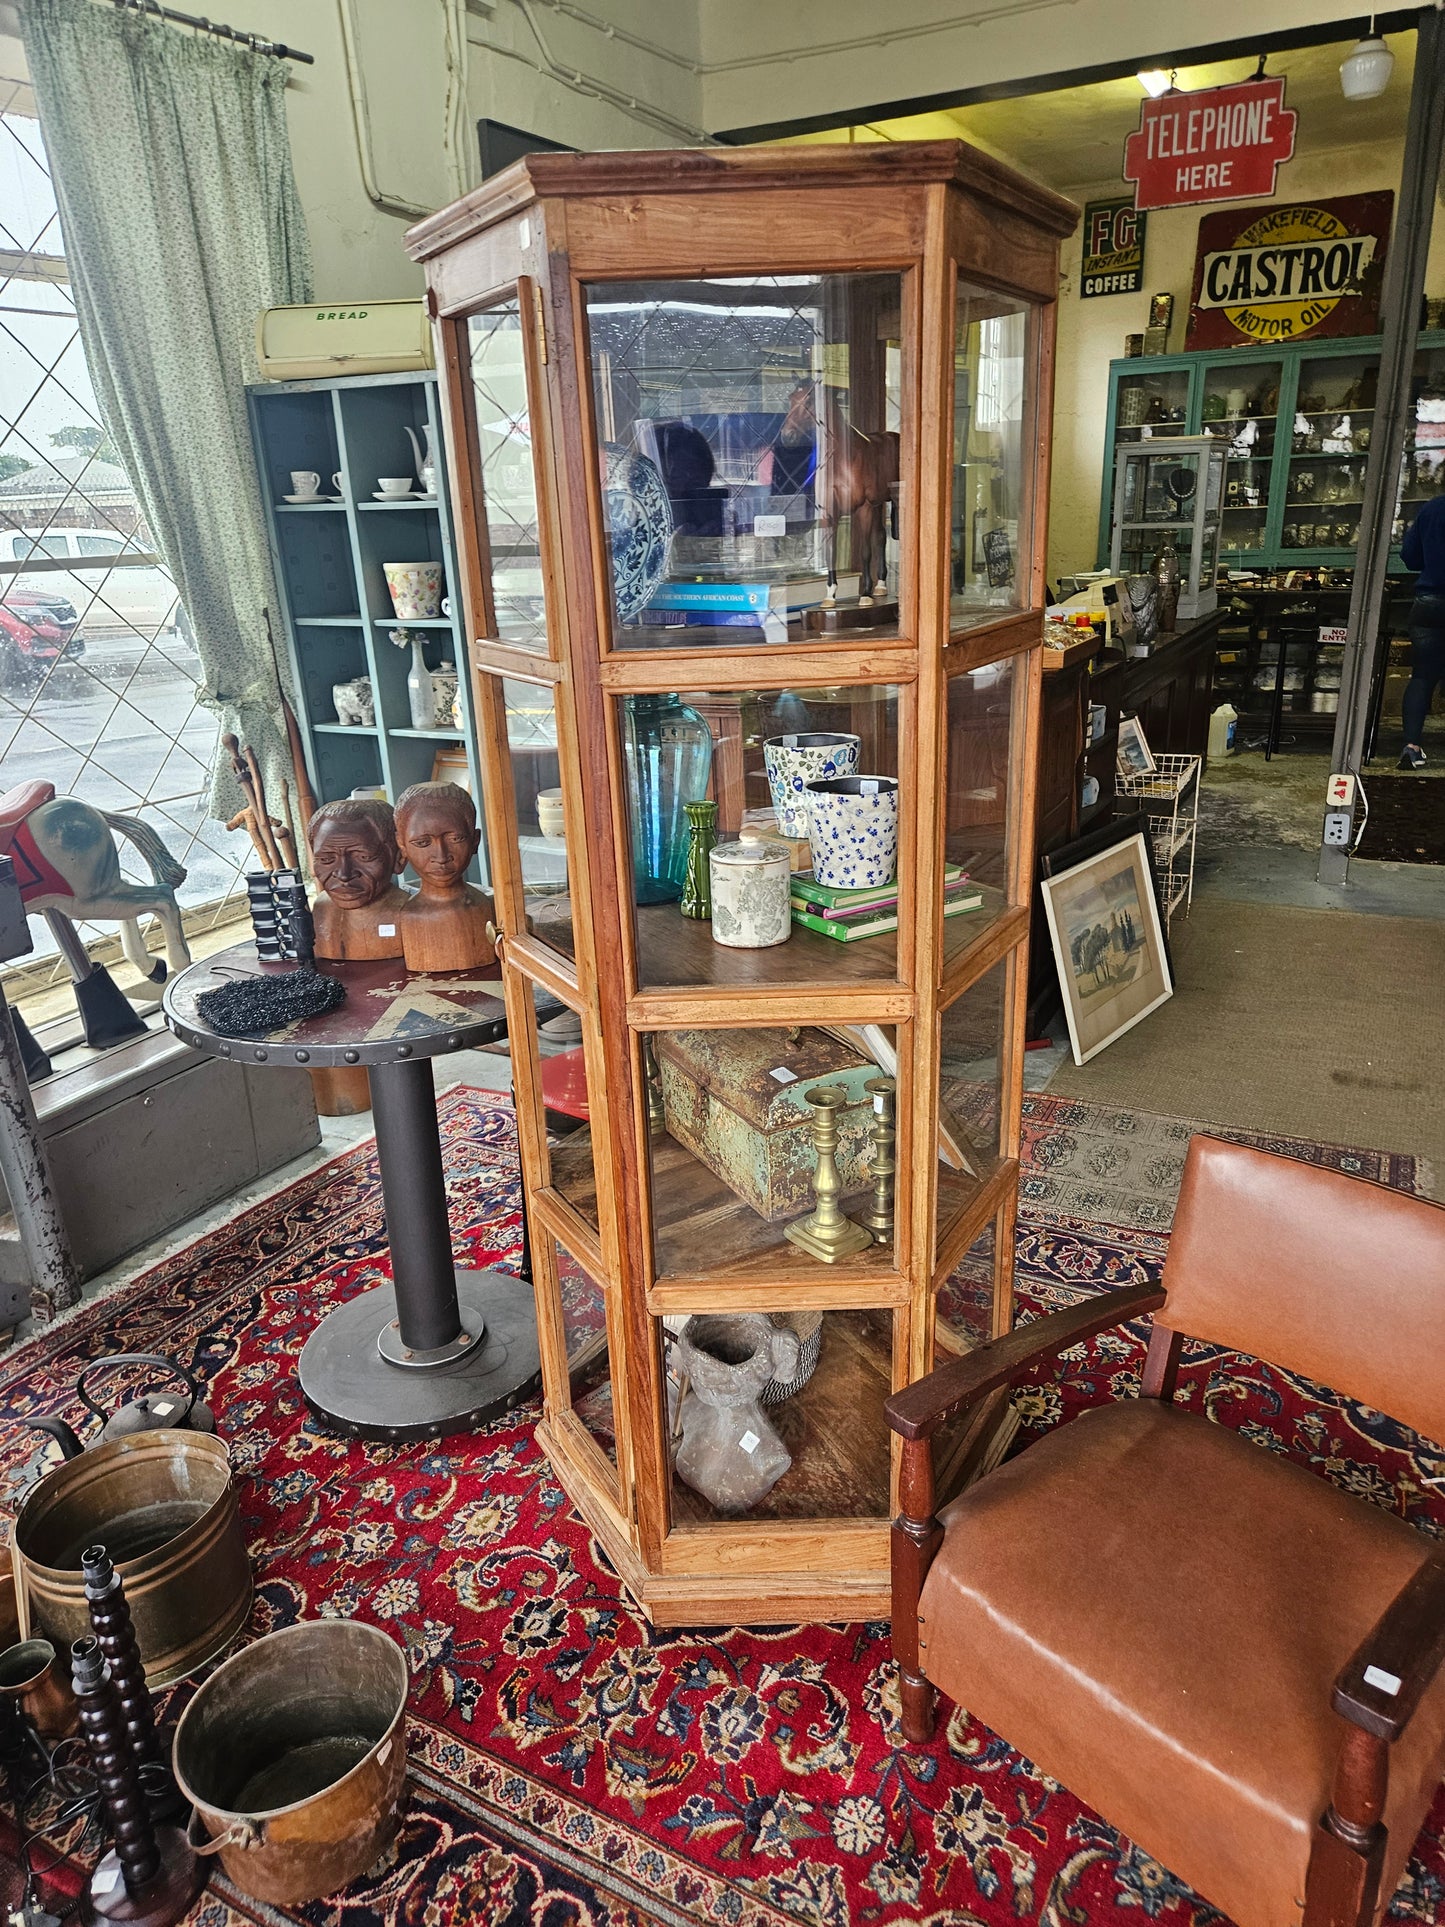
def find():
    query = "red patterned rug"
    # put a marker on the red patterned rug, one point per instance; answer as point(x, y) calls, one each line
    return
point(572, 1766)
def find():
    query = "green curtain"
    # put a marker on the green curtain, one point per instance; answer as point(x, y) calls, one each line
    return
point(172, 170)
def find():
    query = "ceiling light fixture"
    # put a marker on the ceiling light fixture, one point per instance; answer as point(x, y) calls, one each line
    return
point(1365, 71)
point(1155, 82)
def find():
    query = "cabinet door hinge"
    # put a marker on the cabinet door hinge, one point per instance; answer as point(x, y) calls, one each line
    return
point(541, 312)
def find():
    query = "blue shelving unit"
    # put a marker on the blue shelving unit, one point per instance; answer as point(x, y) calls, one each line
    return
point(335, 610)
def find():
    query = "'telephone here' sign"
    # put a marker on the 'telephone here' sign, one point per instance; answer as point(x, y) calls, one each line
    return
point(1225, 144)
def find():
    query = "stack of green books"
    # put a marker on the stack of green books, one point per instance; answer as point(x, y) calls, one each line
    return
point(848, 915)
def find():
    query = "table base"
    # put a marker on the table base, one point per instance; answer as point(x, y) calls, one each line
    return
point(354, 1389)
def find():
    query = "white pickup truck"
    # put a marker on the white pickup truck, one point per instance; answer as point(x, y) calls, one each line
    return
point(135, 596)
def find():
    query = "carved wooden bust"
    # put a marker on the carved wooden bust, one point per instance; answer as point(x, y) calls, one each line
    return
point(444, 926)
point(355, 860)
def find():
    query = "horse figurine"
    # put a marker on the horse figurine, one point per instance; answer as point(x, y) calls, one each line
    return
point(856, 476)
point(68, 869)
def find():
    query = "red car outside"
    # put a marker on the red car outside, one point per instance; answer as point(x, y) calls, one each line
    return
point(36, 630)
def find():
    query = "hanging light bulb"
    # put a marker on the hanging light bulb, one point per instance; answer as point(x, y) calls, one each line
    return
point(1365, 71)
point(1155, 82)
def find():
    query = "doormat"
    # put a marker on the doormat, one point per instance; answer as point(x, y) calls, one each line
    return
point(571, 1766)
point(1407, 820)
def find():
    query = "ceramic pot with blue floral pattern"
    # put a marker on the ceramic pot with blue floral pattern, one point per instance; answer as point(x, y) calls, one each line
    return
point(792, 762)
point(853, 831)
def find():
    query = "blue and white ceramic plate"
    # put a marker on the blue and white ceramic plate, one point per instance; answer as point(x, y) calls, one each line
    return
point(639, 525)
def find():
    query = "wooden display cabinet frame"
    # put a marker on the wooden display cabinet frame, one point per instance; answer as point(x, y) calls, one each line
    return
point(536, 236)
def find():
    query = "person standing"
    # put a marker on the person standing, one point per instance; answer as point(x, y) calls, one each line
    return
point(1424, 550)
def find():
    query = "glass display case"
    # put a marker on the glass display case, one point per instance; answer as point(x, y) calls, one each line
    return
point(1171, 490)
point(759, 740)
point(1296, 427)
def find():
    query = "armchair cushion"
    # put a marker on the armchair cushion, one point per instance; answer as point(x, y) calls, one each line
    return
point(1154, 1611)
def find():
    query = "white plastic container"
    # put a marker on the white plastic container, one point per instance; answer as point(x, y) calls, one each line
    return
point(1221, 732)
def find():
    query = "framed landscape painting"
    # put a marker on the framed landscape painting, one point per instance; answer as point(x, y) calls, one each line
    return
point(1108, 945)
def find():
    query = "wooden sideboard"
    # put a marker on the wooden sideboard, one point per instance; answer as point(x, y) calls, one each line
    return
point(1171, 692)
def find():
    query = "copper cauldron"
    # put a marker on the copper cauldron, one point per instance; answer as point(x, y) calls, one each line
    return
point(294, 1754)
point(163, 1505)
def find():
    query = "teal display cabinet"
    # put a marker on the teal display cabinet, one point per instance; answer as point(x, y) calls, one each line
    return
point(1297, 421)
point(335, 611)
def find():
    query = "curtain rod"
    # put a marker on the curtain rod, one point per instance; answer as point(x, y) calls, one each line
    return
point(251, 40)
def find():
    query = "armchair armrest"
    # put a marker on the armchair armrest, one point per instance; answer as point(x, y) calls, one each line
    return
point(919, 1409)
point(1385, 1679)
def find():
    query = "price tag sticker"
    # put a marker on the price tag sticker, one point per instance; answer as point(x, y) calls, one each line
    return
point(770, 525)
point(163, 1407)
point(868, 786)
point(386, 930)
point(749, 1443)
point(783, 1075)
point(105, 1879)
point(1382, 1681)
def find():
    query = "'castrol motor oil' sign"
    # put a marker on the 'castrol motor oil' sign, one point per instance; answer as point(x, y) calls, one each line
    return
point(1224, 144)
point(1285, 273)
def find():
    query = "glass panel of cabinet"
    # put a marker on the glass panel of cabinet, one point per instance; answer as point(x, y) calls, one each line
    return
point(1295, 429)
point(750, 430)
point(1171, 489)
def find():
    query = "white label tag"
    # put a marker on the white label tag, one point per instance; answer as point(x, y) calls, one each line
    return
point(1384, 1682)
point(386, 930)
point(384, 1754)
point(867, 787)
point(749, 1442)
point(105, 1879)
point(770, 525)
point(783, 1075)
point(790, 742)
point(163, 1407)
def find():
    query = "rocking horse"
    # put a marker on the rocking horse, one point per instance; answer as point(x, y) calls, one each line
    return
point(68, 869)
point(856, 476)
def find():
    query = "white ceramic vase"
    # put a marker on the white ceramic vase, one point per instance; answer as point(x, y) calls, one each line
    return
point(853, 831)
point(750, 885)
point(794, 761)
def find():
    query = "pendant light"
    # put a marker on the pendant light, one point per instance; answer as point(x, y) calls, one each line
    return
point(1365, 71)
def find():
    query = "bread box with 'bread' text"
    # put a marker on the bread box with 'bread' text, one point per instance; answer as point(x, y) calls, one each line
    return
point(343, 338)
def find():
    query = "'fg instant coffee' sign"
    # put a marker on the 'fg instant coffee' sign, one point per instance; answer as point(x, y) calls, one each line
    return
point(1311, 269)
point(1113, 249)
point(1221, 145)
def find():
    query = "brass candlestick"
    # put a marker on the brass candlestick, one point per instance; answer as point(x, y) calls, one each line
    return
point(878, 1218)
point(825, 1233)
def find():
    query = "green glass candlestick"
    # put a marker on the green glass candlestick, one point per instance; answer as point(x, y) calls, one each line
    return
point(697, 884)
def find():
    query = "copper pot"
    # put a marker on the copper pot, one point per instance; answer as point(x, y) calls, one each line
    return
point(32, 1676)
point(294, 1754)
point(163, 1504)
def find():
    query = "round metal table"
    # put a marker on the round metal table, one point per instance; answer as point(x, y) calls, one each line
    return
point(440, 1349)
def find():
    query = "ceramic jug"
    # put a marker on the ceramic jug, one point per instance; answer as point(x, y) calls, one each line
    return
point(426, 462)
point(729, 1451)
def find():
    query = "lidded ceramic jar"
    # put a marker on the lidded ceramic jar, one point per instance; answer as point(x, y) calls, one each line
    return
point(750, 890)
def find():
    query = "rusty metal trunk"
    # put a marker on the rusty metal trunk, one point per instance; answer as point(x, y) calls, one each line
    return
point(163, 1504)
point(294, 1754)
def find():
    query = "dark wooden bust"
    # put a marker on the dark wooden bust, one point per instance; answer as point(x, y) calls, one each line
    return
point(444, 926)
point(355, 860)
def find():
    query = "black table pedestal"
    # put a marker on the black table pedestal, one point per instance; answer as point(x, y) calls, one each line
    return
point(441, 1350)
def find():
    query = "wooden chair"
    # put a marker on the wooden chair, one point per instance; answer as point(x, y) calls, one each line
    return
point(1161, 1614)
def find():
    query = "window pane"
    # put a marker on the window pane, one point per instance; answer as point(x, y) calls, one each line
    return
point(99, 674)
point(751, 452)
point(509, 489)
point(982, 707)
point(970, 1091)
point(991, 531)
point(589, 1357)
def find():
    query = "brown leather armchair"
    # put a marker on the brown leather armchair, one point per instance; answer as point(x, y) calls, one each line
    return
point(1231, 1660)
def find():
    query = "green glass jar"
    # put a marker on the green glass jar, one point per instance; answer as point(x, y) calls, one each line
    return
point(697, 884)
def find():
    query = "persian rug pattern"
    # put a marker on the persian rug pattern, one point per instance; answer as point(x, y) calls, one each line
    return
point(572, 1767)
